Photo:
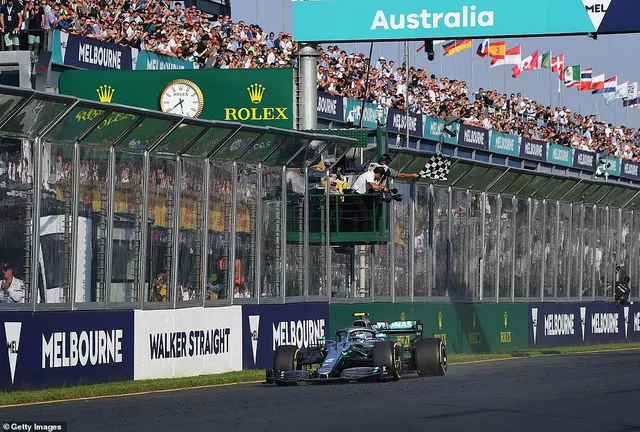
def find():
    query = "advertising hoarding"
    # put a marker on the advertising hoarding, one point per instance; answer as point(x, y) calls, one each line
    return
point(57, 349)
point(266, 327)
point(187, 342)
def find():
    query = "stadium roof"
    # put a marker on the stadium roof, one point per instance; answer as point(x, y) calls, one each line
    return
point(60, 119)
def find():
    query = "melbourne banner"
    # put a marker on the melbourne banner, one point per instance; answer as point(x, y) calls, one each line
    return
point(584, 160)
point(255, 96)
point(531, 149)
point(87, 53)
point(148, 60)
point(471, 136)
point(434, 128)
point(506, 144)
point(187, 342)
point(57, 349)
point(266, 327)
point(397, 123)
point(369, 113)
point(379, 20)
point(560, 155)
point(629, 170)
point(570, 324)
point(330, 107)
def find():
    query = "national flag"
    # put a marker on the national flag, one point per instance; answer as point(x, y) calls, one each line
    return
point(557, 64)
point(585, 79)
point(455, 47)
point(571, 76)
point(497, 50)
point(632, 95)
point(511, 56)
point(528, 64)
point(483, 48)
point(610, 89)
point(622, 92)
point(597, 84)
point(545, 61)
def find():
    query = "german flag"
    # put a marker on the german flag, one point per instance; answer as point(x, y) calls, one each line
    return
point(454, 47)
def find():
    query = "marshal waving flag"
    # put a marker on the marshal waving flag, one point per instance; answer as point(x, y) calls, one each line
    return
point(454, 47)
point(571, 76)
point(511, 56)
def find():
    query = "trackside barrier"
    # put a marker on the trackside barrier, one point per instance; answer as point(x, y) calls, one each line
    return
point(58, 349)
point(587, 323)
point(465, 327)
point(267, 326)
point(187, 342)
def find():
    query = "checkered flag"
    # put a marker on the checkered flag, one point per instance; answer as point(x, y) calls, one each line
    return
point(436, 168)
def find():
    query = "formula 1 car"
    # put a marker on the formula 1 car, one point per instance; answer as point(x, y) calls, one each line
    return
point(365, 350)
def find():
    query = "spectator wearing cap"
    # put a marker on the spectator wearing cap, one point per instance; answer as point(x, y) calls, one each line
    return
point(12, 288)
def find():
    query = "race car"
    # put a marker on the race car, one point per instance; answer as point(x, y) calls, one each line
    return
point(365, 350)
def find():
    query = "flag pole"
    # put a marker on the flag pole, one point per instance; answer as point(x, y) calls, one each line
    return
point(489, 44)
point(538, 85)
point(471, 50)
point(406, 70)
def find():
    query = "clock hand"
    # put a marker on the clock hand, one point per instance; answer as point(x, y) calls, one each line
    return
point(176, 105)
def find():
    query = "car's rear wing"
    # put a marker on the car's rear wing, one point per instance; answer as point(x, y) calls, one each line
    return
point(404, 327)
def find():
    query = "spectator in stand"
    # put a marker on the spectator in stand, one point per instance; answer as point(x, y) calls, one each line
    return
point(10, 24)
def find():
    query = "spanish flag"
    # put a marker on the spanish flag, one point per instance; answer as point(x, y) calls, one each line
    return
point(454, 47)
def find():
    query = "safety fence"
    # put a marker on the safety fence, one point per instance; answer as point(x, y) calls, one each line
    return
point(61, 348)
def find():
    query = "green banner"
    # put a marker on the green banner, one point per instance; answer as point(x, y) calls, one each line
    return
point(434, 127)
point(261, 97)
point(370, 118)
point(465, 327)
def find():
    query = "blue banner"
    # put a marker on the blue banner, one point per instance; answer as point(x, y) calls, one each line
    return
point(92, 54)
point(503, 143)
point(264, 327)
point(148, 60)
point(584, 160)
point(475, 137)
point(56, 349)
point(572, 324)
point(397, 122)
point(536, 150)
point(331, 107)
point(434, 127)
point(560, 155)
point(629, 169)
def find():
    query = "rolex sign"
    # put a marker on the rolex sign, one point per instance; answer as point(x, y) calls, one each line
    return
point(262, 97)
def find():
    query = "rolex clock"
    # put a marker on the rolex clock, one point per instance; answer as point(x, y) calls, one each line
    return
point(182, 97)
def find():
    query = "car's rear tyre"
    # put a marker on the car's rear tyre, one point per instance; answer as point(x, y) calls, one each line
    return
point(286, 359)
point(430, 356)
point(389, 355)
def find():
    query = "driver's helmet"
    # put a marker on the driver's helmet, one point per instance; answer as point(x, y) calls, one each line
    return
point(359, 336)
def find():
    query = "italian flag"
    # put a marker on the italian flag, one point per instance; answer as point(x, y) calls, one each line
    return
point(572, 76)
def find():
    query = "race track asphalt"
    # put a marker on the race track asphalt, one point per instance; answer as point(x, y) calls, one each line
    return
point(585, 392)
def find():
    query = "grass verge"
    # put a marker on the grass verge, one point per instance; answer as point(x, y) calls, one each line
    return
point(129, 387)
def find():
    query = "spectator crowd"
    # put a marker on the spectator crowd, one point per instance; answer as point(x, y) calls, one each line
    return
point(169, 28)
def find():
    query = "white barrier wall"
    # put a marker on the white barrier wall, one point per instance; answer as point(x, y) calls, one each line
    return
point(187, 342)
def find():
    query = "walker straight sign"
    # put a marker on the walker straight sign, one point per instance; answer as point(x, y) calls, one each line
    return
point(379, 20)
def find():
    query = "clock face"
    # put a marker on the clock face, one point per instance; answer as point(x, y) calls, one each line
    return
point(182, 97)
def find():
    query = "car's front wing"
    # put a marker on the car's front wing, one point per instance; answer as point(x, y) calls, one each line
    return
point(350, 374)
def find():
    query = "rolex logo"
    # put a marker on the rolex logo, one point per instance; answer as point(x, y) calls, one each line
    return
point(256, 91)
point(105, 93)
